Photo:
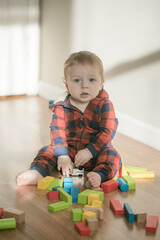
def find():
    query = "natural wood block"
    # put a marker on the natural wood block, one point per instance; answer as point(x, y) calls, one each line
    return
point(92, 223)
point(14, 213)
point(140, 217)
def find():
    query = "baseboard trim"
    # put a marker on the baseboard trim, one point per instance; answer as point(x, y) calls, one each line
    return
point(139, 130)
point(128, 125)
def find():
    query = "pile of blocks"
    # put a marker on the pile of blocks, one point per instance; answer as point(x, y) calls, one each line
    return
point(9, 217)
point(140, 217)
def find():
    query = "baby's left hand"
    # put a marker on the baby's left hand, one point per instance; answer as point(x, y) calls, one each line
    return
point(82, 157)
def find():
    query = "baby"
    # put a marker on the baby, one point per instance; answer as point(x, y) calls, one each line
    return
point(82, 127)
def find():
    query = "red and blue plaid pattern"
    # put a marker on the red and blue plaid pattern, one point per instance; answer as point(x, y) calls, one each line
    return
point(72, 130)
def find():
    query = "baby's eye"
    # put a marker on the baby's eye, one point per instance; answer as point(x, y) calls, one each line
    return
point(92, 80)
point(76, 80)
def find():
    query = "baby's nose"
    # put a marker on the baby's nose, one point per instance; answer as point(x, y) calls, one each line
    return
point(84, 84)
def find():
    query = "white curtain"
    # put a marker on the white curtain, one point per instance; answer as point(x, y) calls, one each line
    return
point(19, 47)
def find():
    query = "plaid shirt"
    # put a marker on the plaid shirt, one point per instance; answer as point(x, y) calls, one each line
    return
point(73, 130)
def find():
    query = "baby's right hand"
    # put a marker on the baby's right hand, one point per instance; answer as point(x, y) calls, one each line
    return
point(65, 163)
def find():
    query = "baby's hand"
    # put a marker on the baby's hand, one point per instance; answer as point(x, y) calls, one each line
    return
point(65, 163)
point(82, 157)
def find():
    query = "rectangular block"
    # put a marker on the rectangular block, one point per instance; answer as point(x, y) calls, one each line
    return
point(117, 207)
point(109, 186)
point(87, 214)
point(74, 194)
point(128, 213)
point(55, 207)
point(67, 180)
point(99, 212)
point(77, 215)
point(92, 223)
point(7, 223)
point(96, 204)
point(135, 169)
point(140, 217)
point(44, 182)
point(91, 197)
point(130, 181)
point(1, 212)
point(152, 223)
point(56, 182)
point(145, 175)
point(52, 195)
point(64, 196)
point(82, 228)
point(83, 196)
point(14, 213)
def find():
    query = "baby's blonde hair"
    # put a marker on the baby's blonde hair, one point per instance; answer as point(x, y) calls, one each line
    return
point(84, 57)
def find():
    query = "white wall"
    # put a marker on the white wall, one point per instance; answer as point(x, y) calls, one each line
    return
point(126, 36)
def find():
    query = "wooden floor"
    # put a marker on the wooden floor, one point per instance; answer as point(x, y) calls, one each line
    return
point(23, 130)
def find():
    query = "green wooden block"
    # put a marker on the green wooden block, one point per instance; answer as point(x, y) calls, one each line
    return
point(55, 207)
point(64, 196)
point(7, 223)
point(130, 181)
point(83, 196)
point(135, 169)
point(56, 182)
point(77, 215)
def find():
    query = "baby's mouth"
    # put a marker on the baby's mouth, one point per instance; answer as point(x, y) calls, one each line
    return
point(84, 94)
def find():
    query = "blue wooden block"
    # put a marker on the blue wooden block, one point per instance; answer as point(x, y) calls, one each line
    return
point(122, 185)
point(55, 188)
point(68, 185)
point(67, 190)
point(74, 194)
point(128, 213)
point(67, 179)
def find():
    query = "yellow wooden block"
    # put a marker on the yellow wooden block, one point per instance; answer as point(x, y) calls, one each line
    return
point(96, 204)
point(149, 174)
point(124, 171)
point(88, 206)
point(45, 182)
point(91, 197)
point(88, 214)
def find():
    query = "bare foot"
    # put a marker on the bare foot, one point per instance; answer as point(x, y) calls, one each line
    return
point(94, 179)
point(29, 177)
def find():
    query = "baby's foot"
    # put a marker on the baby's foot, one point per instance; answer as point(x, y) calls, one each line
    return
point(94, 179)
point(29, 177)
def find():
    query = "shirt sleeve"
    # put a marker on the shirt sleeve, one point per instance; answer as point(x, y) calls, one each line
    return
point(58, 132)
point(107, 129)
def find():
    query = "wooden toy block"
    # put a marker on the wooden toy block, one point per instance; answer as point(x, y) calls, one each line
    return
point(135, 169)
point(68, 185)
point(128, 213)
point(99, 212)
point(124, 171)
point(45, 182)
point(82, 228)
point(74, 194)
point(1, 212)
point(117, 207)
point(7, 223)
point(131, 182)
point(83, 196)
point(91, 197)
point(152, 223)
point(92, 223)
point(77, 215)
point(55, 207)
point(136, 175)
point(122, 185)
point(14, 213)
point(96, 204)
point(88, 206)
point(140, 217)
point(88, 214)
point(64, 196)
point(52, 195)
point(67, 179)
point(56, 182)
point(109, 186)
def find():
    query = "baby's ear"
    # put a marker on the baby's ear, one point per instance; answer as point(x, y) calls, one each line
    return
point(65, 82)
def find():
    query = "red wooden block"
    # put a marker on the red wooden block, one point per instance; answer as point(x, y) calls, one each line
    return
point(52, 195)
point(1, 212)
point(117, 207)
point(152, 224)
point(109, 186)
point(82, 228)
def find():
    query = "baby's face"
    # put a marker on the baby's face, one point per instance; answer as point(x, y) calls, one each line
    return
point(83, 82)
